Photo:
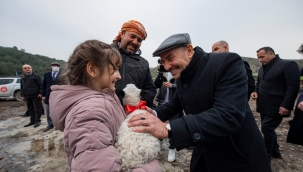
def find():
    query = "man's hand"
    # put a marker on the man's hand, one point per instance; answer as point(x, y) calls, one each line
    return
point(43, 98)
point(167, 84)
point(300, 106)
point(148, 123)
point(254, 95)
point(39, 96)
point(23, 98)
point(283, 111)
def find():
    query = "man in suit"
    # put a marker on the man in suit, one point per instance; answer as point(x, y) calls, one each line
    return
point(222, 46)
point(50, 78)
point(276, 90)
point(212, 89)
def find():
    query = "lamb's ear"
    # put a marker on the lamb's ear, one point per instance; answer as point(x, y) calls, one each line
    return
point(120, 93)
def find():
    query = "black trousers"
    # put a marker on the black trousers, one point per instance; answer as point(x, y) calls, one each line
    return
point(34, 108)
point(268, 126)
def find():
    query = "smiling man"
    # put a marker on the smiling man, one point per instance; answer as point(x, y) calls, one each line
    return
point(212, 89)
point(134, 69)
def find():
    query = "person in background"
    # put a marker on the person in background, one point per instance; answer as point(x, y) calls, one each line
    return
point(221, 47)
point(166, 91)
point(31, 86)
point(49, 79)
point(88, 110)
point(134, 69)
point(212, 89)
point(295, 132)
point(276, 90)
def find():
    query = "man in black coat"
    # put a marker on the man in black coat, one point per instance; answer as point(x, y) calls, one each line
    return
point(212, 89)
point(31, 85)
point(276, 90)
point(222, 46)
point(134, 69)
point(49, 79)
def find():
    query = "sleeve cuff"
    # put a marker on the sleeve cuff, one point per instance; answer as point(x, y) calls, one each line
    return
point(155, 113)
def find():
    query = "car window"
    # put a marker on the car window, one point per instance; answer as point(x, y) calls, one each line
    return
point(6, 81)
point(18, 80)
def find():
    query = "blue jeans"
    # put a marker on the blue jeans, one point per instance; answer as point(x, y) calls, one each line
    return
point(49, 120)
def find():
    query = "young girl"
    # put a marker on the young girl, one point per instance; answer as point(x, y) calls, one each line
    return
point(88, 110)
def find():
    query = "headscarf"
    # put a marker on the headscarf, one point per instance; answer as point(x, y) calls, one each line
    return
point(133, 26)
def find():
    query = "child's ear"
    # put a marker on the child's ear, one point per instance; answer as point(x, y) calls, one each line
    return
point(91, 69)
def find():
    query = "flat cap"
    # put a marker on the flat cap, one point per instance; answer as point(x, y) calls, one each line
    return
point(55, 64)
point(174, 41)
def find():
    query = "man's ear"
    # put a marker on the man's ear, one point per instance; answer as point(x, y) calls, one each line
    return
point(190, 50)
point(225, 47)
point(91, 69)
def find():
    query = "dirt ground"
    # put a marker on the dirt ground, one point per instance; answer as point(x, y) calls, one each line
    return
point(30, 149)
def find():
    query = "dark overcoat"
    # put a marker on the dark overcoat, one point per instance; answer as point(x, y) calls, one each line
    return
point(250, 80)
point(212, 90)
point(31, 85)
point(277, 86)
point(47, 83)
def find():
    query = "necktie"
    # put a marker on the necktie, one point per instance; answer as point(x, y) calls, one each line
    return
point(53, 76)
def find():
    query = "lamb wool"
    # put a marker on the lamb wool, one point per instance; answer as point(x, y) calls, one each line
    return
point(134, 149)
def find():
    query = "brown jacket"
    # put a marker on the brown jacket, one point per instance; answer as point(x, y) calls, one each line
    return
point(90, 120)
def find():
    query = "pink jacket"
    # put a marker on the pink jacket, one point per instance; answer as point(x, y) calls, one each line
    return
point(90, 120)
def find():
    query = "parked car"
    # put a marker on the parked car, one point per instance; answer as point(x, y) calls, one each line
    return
point(10, 88)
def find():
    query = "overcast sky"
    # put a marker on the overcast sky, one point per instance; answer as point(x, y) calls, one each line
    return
point(54, 28)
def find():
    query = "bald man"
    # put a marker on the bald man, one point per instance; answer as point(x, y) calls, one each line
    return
point(221, 47)
point(31, 87)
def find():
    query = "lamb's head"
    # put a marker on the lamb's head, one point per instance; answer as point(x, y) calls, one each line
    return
point(131, 95)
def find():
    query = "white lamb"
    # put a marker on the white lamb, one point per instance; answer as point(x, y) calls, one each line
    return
point(135, 149)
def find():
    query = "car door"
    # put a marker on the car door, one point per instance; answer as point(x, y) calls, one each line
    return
point(6, 87)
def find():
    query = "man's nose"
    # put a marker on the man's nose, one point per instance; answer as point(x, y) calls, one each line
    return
point(135, 41)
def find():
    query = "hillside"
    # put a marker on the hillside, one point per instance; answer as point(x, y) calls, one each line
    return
point(12, 59)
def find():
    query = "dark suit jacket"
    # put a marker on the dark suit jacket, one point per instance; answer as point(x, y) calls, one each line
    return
point(47, 83)
point(277, 86)
point(212, 90)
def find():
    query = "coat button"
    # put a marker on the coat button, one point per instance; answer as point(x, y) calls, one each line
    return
point(184, 85)
point(197, 136)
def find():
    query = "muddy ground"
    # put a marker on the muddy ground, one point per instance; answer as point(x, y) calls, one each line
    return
point(30, 149)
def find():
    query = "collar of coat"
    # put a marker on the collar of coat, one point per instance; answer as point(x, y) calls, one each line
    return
point(190, 70)
point(122, 52)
